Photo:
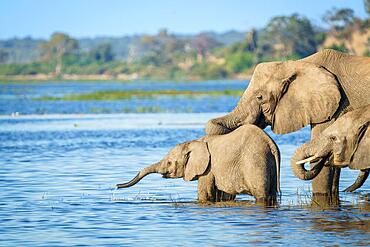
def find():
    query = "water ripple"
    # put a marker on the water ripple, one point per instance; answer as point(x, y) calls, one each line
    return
point(58, 190)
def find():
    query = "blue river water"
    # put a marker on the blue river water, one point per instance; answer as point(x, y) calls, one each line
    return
point(24, 97)
point(60, 164)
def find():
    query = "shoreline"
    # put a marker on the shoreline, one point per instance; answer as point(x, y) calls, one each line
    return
point(105, 77)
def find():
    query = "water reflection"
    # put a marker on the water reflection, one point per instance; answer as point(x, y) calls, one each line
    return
point(344, 223)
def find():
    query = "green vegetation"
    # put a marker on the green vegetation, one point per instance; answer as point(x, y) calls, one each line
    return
point(118, 95)
point(341, 47)
point(143, 109)
point(166, 56)
point(26, 68)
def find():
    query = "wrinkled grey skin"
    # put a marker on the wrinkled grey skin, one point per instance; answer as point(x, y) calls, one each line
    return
point(246, 161)
point(290, 95)
point(344, 143)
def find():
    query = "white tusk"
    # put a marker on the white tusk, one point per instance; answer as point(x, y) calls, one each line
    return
point(312, 158)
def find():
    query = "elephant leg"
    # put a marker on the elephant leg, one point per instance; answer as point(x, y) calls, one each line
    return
point(325, 189)
point(325, 186)
point(208, 192)
point(206, 188)
point(222, 196)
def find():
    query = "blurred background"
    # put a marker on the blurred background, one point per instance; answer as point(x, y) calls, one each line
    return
point(167, 40)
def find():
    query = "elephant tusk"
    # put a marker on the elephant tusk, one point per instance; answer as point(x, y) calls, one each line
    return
point(309, 159)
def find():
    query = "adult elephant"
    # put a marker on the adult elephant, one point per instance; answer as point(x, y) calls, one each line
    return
point(292, 94)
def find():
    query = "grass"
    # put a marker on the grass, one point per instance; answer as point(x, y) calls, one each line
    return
point(119, 95)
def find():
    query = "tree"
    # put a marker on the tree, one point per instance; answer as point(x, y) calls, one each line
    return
point(161, 49)
point(367, 6)
point(102, 53)
point(338, 19)
point(204, 43)
point(287, 36)
point(251, 40)
point(4, 55)
point(239, 62)
point(57, 48)
point(153, 48)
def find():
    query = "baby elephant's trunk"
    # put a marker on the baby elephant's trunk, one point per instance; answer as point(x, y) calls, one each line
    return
point(134, 181)
point(302, 155)
point(146, 171)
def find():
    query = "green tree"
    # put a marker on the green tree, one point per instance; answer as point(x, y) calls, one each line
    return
point(4, 55)
point(341, 47)
point(57, 48)
point(367, 6)
point(287, 36)
point(162, 49)
point(338, 19)
point(102, 53)
point(240, 61)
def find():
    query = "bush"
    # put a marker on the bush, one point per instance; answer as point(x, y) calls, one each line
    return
point(367, 53)
point(26, 69)
point(239, 62)
point(340, 47)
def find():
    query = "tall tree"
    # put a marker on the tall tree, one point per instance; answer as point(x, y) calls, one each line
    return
point(56, 48)
point(102, 53)
point(338, 19)
point(204, 43)
point(4, 55)
point(288, 36)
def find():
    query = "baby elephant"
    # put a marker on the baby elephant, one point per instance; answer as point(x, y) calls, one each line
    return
point(344, 143)
point(245, 161)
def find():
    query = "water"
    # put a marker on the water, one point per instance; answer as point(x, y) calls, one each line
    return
point(22, 97)
point(58, 173)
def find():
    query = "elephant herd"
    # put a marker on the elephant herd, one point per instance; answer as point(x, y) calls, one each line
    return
point(328, 90)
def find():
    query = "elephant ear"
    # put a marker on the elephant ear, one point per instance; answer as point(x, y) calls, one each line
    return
point(310, 95)
point(198, 160)
point(360, 154)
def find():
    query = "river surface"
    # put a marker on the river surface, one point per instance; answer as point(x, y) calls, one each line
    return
point(59, 168)
point(24, 97)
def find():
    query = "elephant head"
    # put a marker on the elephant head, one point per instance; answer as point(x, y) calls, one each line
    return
point(286, 95)
point(346, 142)
point(187, 160)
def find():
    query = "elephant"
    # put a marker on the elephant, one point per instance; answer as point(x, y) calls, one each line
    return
point(346, 142)
point(246, 161)
point(291, 94)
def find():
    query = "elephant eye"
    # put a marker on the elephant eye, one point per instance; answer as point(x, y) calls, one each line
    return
point(259, 97)
point(333, 138)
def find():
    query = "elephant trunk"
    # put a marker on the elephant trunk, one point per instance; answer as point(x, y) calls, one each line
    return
point(146, 171)
point(246, 112)
point(303, 155)
point(359, 181)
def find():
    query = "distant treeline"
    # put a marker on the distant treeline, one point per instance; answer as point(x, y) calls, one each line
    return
point(169, 56)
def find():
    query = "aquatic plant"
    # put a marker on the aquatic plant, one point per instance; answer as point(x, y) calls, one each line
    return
point(129, 94)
